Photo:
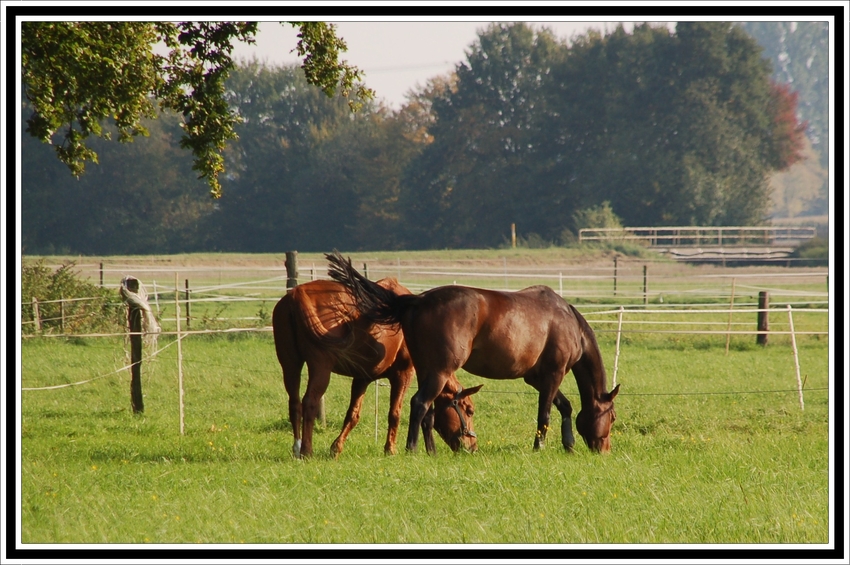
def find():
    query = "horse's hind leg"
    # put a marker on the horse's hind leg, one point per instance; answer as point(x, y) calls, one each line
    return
point(399, 382)
point(319, 375)
point(563, 405)
point(358, 391)
point(292, 384)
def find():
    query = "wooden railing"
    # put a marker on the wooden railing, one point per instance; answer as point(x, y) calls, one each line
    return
point(691, 236)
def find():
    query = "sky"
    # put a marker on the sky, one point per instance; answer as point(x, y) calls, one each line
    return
point(402, 55)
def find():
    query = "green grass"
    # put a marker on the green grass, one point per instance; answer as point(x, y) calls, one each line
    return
point(707, 448)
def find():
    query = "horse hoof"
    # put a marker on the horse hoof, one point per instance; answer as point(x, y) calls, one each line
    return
point(296, 449)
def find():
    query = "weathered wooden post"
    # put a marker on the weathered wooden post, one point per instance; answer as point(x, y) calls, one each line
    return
point(291, 264)
point(763, 323)
point(187, 304)
point(36, 316)
point(101, 274)
point(615, 275)
point(513, 236)
point(134, 321)
point(645, 295)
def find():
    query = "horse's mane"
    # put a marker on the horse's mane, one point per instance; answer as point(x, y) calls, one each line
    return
point(591, 354)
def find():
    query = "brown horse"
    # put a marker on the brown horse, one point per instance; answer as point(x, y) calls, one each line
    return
point(316, 323)
point(531, 334)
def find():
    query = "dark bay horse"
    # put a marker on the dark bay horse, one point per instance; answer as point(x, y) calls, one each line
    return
point(531, 334)
point(316, 323)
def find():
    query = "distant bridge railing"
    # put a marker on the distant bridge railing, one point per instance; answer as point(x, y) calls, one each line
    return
point(692, 236)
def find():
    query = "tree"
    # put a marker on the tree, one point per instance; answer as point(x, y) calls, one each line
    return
point(141, 198)
point(799, 53)
point(477, 177)
point(671, 128)
point(79, 74)
point(305, 172)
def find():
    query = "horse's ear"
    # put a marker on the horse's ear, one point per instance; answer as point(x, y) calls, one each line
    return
point(614, 392)
point(467, 392)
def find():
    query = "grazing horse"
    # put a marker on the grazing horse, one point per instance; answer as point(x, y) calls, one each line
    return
point(316, 323)
point(532, 334)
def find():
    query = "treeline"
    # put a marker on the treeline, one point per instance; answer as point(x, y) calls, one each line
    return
point(665, 128)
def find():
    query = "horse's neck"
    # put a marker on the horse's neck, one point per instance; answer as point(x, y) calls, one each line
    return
point(589, 371)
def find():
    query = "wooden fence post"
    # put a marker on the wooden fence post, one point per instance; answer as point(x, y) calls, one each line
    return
point(134, 322)
point(179, 351)
point(615, 275)
point(36, 316)
point(796, 357)
point(62, 314)
point(101, 274)
point(617, 353)
point(513, 236)
point(645, 295)
point(291, 264)
point(729, 325)
point(763, 321)
point(188, 326)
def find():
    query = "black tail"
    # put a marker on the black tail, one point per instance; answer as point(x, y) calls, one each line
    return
point(374, 302)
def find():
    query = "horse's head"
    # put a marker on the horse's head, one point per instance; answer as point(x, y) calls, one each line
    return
point(453, 413)
point(594, 426)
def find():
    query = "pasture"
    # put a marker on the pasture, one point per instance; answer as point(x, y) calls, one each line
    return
point(708, 447)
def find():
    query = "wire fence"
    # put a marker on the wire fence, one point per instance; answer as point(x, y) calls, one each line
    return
point(625, 301)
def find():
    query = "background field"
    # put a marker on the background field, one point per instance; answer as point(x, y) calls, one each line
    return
point(708, 447)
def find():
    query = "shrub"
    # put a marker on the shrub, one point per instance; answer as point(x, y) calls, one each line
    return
point(66, 302)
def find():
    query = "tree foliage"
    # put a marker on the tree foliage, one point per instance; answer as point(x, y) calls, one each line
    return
point(643, 128)
point(670, 128)
point(79, 74)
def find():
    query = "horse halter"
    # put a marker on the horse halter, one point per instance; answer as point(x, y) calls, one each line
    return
point(464, 430)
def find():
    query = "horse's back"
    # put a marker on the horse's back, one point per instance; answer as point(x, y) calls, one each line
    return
point(495, 334)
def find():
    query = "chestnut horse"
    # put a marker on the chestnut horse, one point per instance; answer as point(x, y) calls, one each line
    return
point(531, 334)
point(316, 323)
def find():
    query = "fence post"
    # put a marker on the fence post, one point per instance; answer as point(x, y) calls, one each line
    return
point(156, 297)
point(763, 321)
point(615, 275)
point(134, 322)
point(513, 236)
point(796, 356)
point(291, 264)
point(187, 305)
point(729, 325)
point(617, 353)
point(35, 314)
point(179, 351)
point(62, 314)
point(645, 295)
point(101, 274)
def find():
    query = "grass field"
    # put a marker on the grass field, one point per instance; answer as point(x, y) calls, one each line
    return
point(707, 448)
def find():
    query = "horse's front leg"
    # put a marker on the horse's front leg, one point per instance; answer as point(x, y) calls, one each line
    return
point(544, 407)
point(428, 431)
point(418, 410)
point(563, 405)
point(548, 390)
point(352, 416)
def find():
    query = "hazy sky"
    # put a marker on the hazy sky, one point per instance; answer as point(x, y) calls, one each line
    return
point(398, 56)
